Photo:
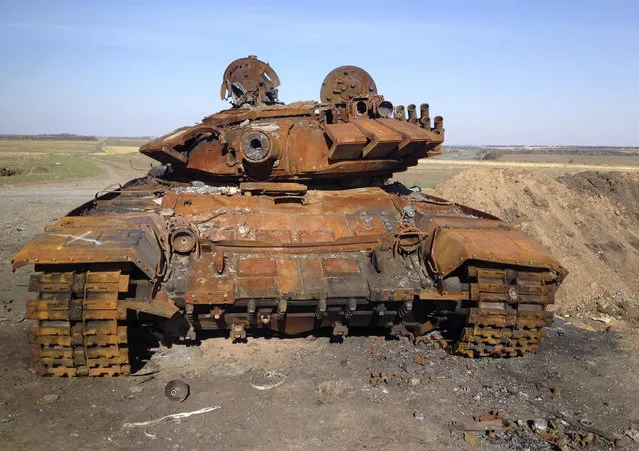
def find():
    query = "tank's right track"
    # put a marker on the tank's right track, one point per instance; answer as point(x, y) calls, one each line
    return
point(79, 327)
point(494, 341)
point(508, 318)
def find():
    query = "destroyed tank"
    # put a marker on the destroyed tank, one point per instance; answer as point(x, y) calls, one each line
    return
point(280, 218)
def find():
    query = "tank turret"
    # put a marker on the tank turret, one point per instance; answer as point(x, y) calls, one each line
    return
point(352, 132)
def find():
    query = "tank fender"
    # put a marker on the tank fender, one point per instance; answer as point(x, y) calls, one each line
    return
point(87, 245)
point(453, 241)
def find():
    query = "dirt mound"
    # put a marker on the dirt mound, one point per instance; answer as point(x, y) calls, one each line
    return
point(621, 189)
point(589, 221)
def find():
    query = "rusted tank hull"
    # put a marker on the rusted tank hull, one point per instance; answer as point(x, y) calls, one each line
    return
point(249, 226)
point(377, 257)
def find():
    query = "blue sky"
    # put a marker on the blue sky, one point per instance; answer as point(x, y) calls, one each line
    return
point(500, 72)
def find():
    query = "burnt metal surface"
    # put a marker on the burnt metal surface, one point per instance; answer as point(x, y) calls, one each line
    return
point(249, 81)
point(353, 131)
point(346, 83)
point(279, 218)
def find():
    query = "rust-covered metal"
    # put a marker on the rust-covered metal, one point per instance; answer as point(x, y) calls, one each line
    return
point(280, 217)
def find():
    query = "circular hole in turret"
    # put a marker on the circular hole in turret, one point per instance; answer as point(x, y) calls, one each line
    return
point(256, 144)
point(385, 109)
point(361, 107)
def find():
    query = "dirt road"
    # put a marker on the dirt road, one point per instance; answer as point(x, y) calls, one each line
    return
point(326, 400)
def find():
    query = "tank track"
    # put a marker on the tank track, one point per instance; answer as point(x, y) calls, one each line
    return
point(80, 329)
point(509, 314)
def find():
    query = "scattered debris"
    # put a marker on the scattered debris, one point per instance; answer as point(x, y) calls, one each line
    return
point(556, 391)
point(490, 423)
point(7, 172)
point(470, 438)
point(269, 380)
point(384, 377)
point(174, 416)
point(146, 379)
point(539, 424)
point(145, 373)
point(177, 390)
point(199, 187)
point(577, 424)
point(603, 319)
point(49, 399)
point(567, 439)
point(418, 415)
point(433, 339)
point(379, 378)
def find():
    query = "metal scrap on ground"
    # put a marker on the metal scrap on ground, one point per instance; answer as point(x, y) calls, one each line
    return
point(174, 416)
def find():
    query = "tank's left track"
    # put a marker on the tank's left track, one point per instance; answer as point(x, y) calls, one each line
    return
point(79, 330)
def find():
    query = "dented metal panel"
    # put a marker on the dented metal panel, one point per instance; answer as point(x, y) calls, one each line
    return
point(452, 244)
point(139, 247)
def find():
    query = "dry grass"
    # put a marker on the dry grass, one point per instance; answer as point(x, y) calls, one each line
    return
point(36, 167)
point(119, 150)
point(47, 160)
point(20, 147)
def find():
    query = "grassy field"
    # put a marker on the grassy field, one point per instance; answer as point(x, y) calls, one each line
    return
point(49, 160)
point(119, 150)
point(21, 147)
point(32, 167)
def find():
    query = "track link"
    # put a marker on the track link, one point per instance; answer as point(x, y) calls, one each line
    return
point(487, 341)
point(79, 326)
point(509, 313)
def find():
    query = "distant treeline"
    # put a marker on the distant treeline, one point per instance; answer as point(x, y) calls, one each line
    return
point(609, 151)
point(53, 137)
point(131, 138)
point(71, 137)
point(558, 150)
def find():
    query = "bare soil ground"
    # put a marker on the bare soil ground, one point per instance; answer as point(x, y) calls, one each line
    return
point(327, 400)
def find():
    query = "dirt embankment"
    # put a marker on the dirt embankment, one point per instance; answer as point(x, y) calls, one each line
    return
point(589, 221)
